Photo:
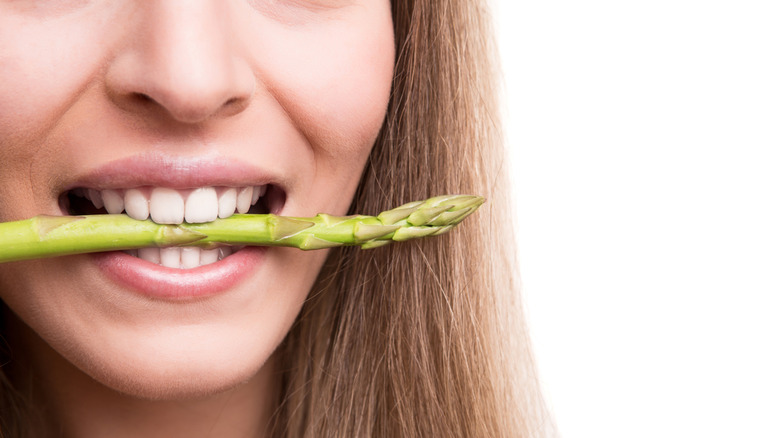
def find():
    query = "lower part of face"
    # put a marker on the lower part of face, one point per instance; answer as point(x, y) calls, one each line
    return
point(132, 101)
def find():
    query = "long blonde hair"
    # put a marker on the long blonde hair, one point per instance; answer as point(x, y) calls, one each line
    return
point(423, 339)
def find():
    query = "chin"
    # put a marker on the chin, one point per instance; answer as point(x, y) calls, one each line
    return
point(161, 385)
point(199, 385)
point(176, 364)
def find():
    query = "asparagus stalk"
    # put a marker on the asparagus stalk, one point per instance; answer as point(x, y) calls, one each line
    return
point(50, 236)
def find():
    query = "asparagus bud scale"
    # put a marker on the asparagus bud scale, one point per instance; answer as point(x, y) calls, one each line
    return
point(50, 236)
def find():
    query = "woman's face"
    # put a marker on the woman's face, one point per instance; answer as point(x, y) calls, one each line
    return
point(99, 97)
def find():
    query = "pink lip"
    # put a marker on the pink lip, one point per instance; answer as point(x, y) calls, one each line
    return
point(178, 172)
point(164, 170)
point(159, 282)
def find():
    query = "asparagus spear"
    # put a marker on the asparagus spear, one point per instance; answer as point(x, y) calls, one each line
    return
point(50, 236)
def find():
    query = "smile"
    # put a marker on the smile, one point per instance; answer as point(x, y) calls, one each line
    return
point(175, 206)
point(173, 189)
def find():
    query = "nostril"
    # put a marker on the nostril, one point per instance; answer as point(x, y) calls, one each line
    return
point(233, 106)
point(142, 98)
point(194, 110)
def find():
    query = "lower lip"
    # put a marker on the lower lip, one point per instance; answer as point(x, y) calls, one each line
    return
point(159, 282)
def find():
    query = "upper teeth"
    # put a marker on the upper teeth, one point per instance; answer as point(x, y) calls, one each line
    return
point(173, 206)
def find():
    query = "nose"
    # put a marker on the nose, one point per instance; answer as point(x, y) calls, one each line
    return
point(180, 58)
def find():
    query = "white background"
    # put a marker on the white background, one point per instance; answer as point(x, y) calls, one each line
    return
point(644, 138)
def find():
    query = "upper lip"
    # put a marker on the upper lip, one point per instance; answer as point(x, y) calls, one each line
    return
point(176, 172)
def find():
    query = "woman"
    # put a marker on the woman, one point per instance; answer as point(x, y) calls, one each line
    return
point(179, 111)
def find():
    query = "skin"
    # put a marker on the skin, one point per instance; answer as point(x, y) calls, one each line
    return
point(300, 84)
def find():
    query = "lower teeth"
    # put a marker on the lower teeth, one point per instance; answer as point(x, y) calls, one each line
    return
point(187, 257)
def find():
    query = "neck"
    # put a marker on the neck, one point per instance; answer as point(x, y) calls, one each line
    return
point(75, 405)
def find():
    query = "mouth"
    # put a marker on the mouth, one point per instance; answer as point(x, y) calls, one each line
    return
point(166, 205)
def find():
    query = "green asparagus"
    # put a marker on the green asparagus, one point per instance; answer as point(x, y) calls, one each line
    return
point(50, 236)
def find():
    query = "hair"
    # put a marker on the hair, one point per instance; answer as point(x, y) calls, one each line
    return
point(424, 338)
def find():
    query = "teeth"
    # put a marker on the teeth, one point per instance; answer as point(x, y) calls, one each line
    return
point(257, 192)
point(150, 254)
point(244, 200)
point(136, 204)
point(190, 258)
point(227, 202)
point(208, 256)
point(183, 257)
point(224, 251)
point(166, 206)
point(113, 201)
point(201, 206)
point(94, 196)
point(171, 206)
point(170, 257)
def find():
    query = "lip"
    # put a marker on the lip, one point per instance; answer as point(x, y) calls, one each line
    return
point(158, 282)
point(176, 172)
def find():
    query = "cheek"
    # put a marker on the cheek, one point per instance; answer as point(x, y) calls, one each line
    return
point(335, 84)
point(353, 87)
point(40, 71)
